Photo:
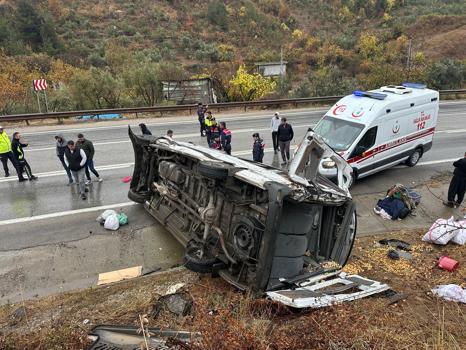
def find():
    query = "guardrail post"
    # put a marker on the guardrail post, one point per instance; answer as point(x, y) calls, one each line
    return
point(136, 115)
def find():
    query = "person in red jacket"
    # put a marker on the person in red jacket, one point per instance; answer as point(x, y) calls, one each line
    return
point(225, 138)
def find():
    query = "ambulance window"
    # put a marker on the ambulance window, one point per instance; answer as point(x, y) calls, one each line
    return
point(366, 142)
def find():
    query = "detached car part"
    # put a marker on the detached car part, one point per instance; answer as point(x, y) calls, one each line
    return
point(255, 225)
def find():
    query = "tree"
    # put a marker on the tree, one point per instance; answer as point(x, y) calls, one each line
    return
point(248, 87)
point(144, 84)
point(447, 74)
point(217, 14)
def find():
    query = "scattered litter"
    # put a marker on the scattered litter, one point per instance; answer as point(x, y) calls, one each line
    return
point(396, 254)
point(442, 231)
point(128, 338)
point(451, 292)
point(174, 288)
point(102, 217)
point(179, 304)
point(86, 321)
point(396, 243)
point(126, 179)
point(392, 254)
point(112, 223)
point(447, 263)
point(119, 275)
point(122, 219)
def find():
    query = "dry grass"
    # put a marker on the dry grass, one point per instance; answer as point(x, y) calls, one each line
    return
point(229, 319)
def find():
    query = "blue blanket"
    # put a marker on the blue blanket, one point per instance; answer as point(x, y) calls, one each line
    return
point(393, 206)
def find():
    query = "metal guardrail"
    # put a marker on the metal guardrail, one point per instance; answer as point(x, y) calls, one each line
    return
point(177, 108)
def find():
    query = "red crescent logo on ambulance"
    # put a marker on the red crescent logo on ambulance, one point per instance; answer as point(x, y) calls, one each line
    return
point(396, 127)
point(339, 109)
point(358, 113)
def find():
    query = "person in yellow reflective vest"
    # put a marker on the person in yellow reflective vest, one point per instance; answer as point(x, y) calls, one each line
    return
point(6, 154)
point(18, 152)
point(208, 124)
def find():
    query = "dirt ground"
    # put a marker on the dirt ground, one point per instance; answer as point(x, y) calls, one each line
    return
point(228, 319)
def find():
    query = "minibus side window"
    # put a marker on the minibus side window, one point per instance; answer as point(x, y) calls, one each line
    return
point(366, 142)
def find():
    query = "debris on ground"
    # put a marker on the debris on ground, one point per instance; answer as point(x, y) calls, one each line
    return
point(446, 263)
point(112, 220)
point(443, 231)
point(126, 179)
point(179, 304)
point(129, 337)
point(451, 292)
point(396, 243)
point(119, 275)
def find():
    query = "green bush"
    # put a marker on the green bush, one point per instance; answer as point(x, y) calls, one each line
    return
point(217, 14)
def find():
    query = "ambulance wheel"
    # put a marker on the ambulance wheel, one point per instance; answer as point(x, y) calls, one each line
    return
point(213, 170)
point(414, 157)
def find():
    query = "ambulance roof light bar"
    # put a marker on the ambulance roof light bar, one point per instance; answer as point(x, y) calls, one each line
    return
point(414, 85)
point(375, 95)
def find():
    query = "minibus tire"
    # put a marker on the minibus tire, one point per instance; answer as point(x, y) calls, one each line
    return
point(414, 157)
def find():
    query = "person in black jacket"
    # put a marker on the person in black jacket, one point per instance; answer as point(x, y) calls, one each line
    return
point(285, 135)
point(144, 129)
point(60, 151)
point(88, 147)
point(75, 159)
point(17, 148)
point(458, 184)
point(257, 148)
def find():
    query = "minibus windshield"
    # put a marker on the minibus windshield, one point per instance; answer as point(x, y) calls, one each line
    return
point(337, 133)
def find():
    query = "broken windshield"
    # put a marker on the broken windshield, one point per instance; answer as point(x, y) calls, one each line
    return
point(337, 133)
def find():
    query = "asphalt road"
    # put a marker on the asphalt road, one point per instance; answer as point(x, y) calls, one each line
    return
point(35, 216)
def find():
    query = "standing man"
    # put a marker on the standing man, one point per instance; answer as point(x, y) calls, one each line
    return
point(257, 148)
point(201, 118)
point(75, 159)
point(225, 138)
point(17, 148)
point(458, 184)
point(285, 135)
point(214, 134)
point(60, 150)
point(208, 125)
point(6, 154)
point(274, 124)
point(88, 148)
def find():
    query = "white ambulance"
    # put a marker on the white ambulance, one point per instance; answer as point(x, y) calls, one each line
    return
point(378, 129)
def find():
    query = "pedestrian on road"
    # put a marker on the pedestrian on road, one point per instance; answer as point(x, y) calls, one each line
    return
point(144, 129)
point(88, 148)
point(458, 184)
point(214, 133)
point(274, 124)
point(225, 138)
point(75, 159)
point(201, 117)
point(17, 148)
point(285, 135)
point(169, 134)
point(7, 154)
point(208, 125)
point(257, 148)
point(60, 150)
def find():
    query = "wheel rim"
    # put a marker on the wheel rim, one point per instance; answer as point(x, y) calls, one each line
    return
point(415, 157)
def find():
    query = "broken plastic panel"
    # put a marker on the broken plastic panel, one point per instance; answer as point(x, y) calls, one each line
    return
point(328, 289)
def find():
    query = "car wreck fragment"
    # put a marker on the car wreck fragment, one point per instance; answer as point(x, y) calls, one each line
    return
point(258, 227)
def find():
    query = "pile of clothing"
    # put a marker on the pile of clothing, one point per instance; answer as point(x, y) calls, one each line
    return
point(398, 203)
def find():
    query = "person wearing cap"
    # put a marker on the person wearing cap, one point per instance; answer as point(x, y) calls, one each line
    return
point(274, 124)
point(7, 154)
point(257, 148)
point(17, 148)
point(225, 138)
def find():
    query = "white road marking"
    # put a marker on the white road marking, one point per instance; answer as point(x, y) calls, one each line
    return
point(65, 213)
point(177, 136)
point(193, 121)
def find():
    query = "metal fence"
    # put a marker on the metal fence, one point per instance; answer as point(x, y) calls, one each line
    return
point(189, 108)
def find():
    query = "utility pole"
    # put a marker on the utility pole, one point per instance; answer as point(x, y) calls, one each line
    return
point(408, 59)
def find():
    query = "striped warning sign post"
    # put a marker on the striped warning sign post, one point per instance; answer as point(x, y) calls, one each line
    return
point(40, 85)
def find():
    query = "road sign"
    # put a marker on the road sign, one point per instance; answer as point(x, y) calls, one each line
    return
point(39, 84)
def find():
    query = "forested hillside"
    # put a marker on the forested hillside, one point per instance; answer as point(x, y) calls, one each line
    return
point(111, 53)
